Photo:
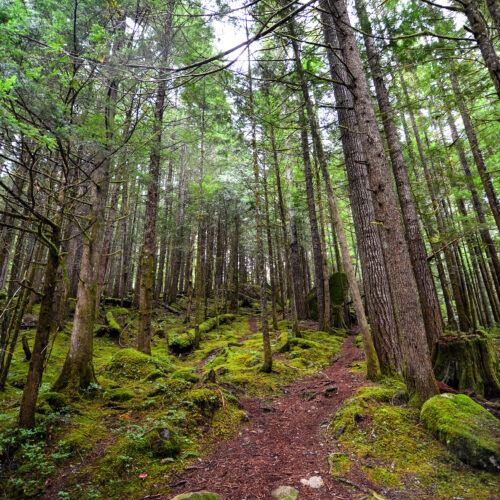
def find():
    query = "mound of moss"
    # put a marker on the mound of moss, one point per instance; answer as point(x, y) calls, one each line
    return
point(468, 430)
point(207, 400)
point(379, 435)
point(181, 343)
point(134, 365)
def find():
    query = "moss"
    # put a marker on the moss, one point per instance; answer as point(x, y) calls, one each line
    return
point(181, 343)
point(382, 435)
point(55, 400)
point(78, 443)
point(120, 395)
point(186, 374)
point(131, 364)
point(284, 343)
point(114, 327)
point(468, 362)
point(304, 343)
point(383, 477)
point(283, 324)
point(465, 428)
point(207, 400)
point(339, 464)
point(197, 495)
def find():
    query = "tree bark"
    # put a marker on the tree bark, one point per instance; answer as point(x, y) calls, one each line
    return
point(418, 253)
point(417, 368)
point(376, 286)
point(43, 329)
point(146, 287)
point(487, 49)
point(319, 281)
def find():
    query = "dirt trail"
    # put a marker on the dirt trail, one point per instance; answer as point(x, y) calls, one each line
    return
point(283, 442)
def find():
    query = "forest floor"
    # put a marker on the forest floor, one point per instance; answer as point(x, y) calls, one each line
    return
point(210, 419)
point(284, 439)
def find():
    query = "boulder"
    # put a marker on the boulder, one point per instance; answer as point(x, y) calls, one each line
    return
point(468, 430)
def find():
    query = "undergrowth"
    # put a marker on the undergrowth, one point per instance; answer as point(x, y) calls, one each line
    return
point(148, 417)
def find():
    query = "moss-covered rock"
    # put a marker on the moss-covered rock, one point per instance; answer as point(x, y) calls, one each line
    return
point(207, 400)
point(134, 365)
point(181, 343)
point(163, 443)
point(55, 400)
point(120, 394)
point(304, 343)
point(197, 495)
point(465, 428)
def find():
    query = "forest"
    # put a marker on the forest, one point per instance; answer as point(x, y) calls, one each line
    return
point(249, 250)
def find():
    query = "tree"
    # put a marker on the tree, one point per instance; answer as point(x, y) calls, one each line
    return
point(417, 368)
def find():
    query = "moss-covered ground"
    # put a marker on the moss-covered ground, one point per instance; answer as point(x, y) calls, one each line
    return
point(379, 436)
point(148, 417)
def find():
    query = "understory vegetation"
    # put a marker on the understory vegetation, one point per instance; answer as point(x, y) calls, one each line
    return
point(150, 417)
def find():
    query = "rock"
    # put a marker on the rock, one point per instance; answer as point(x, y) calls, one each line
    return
point(197, 495)
point(468, 430)
point(315, 482)
point(285, 493)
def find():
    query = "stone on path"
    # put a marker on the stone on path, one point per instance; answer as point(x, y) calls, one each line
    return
point(197, 495)
point(285, 493)
point(314, 482)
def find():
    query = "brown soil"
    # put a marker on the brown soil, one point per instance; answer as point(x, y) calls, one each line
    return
point(284, 441)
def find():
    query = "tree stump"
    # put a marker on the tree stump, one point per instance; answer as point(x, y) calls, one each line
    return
point(467, 362)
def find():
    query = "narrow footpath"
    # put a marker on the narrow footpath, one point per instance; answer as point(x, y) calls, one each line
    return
point(284, 440)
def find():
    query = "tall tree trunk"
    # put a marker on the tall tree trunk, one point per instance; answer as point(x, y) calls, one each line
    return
point(286, 241)
point(147, 273)
point(480, 33)
point(491, 248)
point(417, 367)
point(78, 370)
point(318, 149)
point(319, 281)
point(270, 253)
point(267, 364)
point(376, 286)
point(418, 253)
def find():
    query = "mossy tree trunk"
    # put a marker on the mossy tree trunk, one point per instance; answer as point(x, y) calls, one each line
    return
point(467, 362)
point(44, 326)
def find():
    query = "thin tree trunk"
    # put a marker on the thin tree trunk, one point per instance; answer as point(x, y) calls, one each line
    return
point(42, 335)
point(319, 281)
point(286, 241)
point(270, 253)
point(146, 287)
point(476, 151)
point(267, 364)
